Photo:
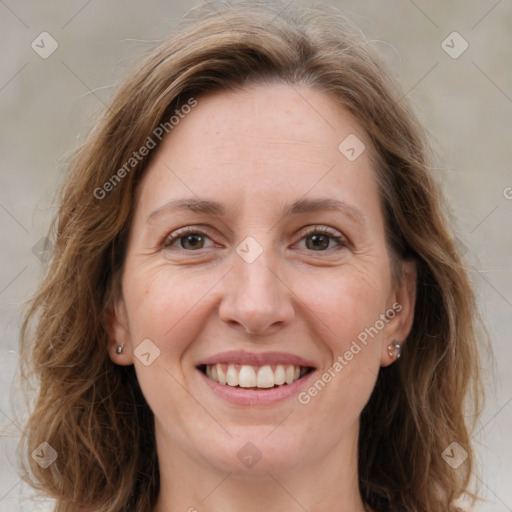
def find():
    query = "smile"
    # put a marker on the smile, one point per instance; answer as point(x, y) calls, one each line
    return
point(250, 378)
point(254, 377)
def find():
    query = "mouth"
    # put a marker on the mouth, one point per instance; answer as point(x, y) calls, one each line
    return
point(254, 377)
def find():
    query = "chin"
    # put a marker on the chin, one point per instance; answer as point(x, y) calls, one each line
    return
point(254, 452)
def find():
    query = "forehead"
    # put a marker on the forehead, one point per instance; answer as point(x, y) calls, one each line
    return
point(281, 117)
point(266, 143)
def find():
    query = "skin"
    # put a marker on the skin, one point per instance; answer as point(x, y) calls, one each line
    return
point(256, 151)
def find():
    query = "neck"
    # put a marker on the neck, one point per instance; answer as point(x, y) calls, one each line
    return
point(327, 481)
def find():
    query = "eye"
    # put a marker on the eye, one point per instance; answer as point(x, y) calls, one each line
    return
point(319, 239)
point(189, 239)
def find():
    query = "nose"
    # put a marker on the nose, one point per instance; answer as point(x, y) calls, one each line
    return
point(256, 299)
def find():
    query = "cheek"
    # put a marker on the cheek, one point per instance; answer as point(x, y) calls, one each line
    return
point(348, 302)
point(165, 306)
point(344, 306)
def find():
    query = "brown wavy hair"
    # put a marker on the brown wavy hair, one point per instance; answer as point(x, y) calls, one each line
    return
point(92, 412)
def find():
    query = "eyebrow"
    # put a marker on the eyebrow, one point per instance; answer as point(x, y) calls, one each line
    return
point(298, 207)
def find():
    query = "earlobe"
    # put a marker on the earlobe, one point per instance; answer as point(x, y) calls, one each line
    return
point(118, 344)
point(399, 327)
point(391, 353)
point(395, 349)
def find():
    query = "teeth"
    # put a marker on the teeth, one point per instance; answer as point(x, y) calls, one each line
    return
point(221, 376)
point(265, 377)
point(289, 374)
point(279, 375)
point(231, 376)
point(246, 376)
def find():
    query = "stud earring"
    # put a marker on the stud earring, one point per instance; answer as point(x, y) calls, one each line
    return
point(395, 349)
point(120, 348)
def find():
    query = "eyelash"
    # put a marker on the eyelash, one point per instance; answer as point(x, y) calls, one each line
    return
point(322, 230)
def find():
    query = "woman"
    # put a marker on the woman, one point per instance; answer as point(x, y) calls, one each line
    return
point(254, 301)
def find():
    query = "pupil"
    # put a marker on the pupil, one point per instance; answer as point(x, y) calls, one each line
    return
point(193, 240)
point(319, 241)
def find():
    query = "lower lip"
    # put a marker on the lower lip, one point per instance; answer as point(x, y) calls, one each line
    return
point(244, 396)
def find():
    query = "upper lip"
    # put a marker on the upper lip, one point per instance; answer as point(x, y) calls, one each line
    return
point(257, 359)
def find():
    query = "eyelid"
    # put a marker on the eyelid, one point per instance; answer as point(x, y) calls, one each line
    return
point(171, 238)
point(334, 234)
point(320, 229)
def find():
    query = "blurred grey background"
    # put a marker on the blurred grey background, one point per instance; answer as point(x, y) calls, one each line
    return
point(463, 95)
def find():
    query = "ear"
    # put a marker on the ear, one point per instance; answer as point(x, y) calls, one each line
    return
point(402, 302)
point(116, 320)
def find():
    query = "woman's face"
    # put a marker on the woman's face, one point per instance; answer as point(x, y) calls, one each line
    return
point(257, 254)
